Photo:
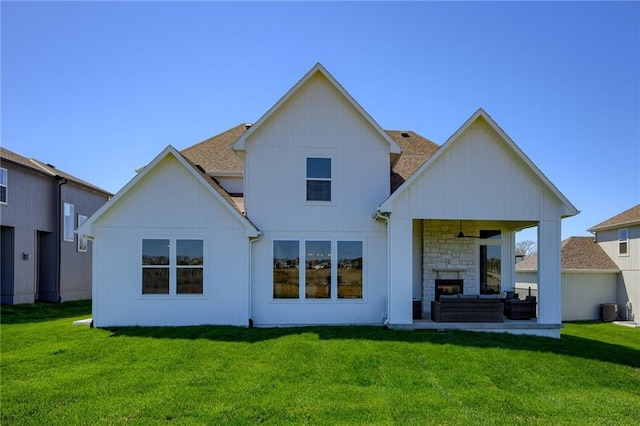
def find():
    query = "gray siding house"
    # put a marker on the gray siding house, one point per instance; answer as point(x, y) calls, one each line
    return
point(42, 258)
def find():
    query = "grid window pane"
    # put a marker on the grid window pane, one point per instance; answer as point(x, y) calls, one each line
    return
point(189, 252)
point(189, 281)
point(349, 269)
point(319, 168)
point(318, 270)
point(286, 269)
point(155, 280)
point(155, 252)
point(318, 190)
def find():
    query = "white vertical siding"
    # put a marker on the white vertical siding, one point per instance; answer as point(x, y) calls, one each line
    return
point(582, 294)
point(317, 122)
point(169, 203)
point(478, 177)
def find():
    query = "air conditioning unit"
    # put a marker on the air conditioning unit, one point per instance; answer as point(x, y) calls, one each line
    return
point(608, 312)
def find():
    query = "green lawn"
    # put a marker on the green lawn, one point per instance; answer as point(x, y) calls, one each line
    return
point(56, 373)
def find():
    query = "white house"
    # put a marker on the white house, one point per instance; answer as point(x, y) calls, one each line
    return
point(316, 215)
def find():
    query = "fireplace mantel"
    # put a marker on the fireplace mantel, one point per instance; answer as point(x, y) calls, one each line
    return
point(438, 271)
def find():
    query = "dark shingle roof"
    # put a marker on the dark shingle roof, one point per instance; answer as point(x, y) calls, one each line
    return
point(216, 154)
point(576, 253)
point(46, 169)
point(627, 217)
point(416, 150)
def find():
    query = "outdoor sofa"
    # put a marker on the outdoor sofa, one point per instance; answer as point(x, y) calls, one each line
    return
point(468, 308)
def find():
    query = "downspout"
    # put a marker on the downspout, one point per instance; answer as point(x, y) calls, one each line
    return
point(251, 241)
point(385, 217)
point(61, 181)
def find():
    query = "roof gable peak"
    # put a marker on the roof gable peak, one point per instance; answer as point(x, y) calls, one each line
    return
point(318, 68)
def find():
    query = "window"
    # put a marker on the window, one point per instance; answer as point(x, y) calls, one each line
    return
point(321, 278)
point(318, 179)
point(68, 222)
point(172, 266)
point(82, 242)
point(490, 262)
point(349, 269)
point(318, 270)
point(155, 266)
point(189, 267)
point(3, 186)
point(623, 242)
point(286, 269)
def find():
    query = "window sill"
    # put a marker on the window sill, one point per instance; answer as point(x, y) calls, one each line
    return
point(319, 203)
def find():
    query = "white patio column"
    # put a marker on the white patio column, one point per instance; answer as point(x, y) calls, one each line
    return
point(400, 271)
point(549, 272)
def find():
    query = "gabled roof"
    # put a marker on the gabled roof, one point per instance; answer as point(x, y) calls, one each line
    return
point(217, 157)
point(46, 169)
point(480, 114)
point(576, 253)
point(239, 145)
point(626, 218)
point(215, 189)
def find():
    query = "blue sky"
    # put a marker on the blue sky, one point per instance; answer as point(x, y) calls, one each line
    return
point(99, 88)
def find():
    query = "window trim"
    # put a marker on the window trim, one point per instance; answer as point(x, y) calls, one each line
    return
point(82, 219)
point(173, 268)
point(331, 180)
point(5, 185)
point(625, 241)
point(68, 228)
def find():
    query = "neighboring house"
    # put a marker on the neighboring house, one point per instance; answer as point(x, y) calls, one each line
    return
point(40, 209)
point(316, 215)
point(589, 278)
point(603, 269)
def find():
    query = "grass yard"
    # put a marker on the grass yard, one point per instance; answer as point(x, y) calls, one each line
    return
point(55, 373)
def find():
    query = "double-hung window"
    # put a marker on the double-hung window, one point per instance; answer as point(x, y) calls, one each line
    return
point(623, 242)
point(172, 266)
point(318, 179)
point(3, 186)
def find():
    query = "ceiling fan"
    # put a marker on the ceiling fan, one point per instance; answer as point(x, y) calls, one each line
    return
point(460, 234)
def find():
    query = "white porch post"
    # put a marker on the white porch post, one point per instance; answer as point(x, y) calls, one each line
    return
point(549, 272)
point(400, 271)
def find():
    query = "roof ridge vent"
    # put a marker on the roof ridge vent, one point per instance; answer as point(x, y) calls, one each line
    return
point(405, 134)
point(51, 165)
point(247, 125)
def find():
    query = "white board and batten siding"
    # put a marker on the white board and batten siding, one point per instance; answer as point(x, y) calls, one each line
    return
point(477, 178)
point(169, 202)
point(317, 121)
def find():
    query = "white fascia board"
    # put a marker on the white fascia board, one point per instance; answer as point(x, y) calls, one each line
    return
point(224, 173)
point(569, 209)
point(239, 145)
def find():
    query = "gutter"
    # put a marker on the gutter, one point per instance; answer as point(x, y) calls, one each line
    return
point(379, 215)
point(61, 181)
point(251, 241)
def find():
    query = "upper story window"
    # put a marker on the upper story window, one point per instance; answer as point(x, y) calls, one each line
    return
point(623, 242)
point(68, 227)
point(3, 186)
point(318, 179)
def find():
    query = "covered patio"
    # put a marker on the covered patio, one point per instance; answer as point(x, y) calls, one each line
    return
point(453, 222)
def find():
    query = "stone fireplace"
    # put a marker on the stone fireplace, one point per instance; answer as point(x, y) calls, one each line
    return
point(448, 286)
